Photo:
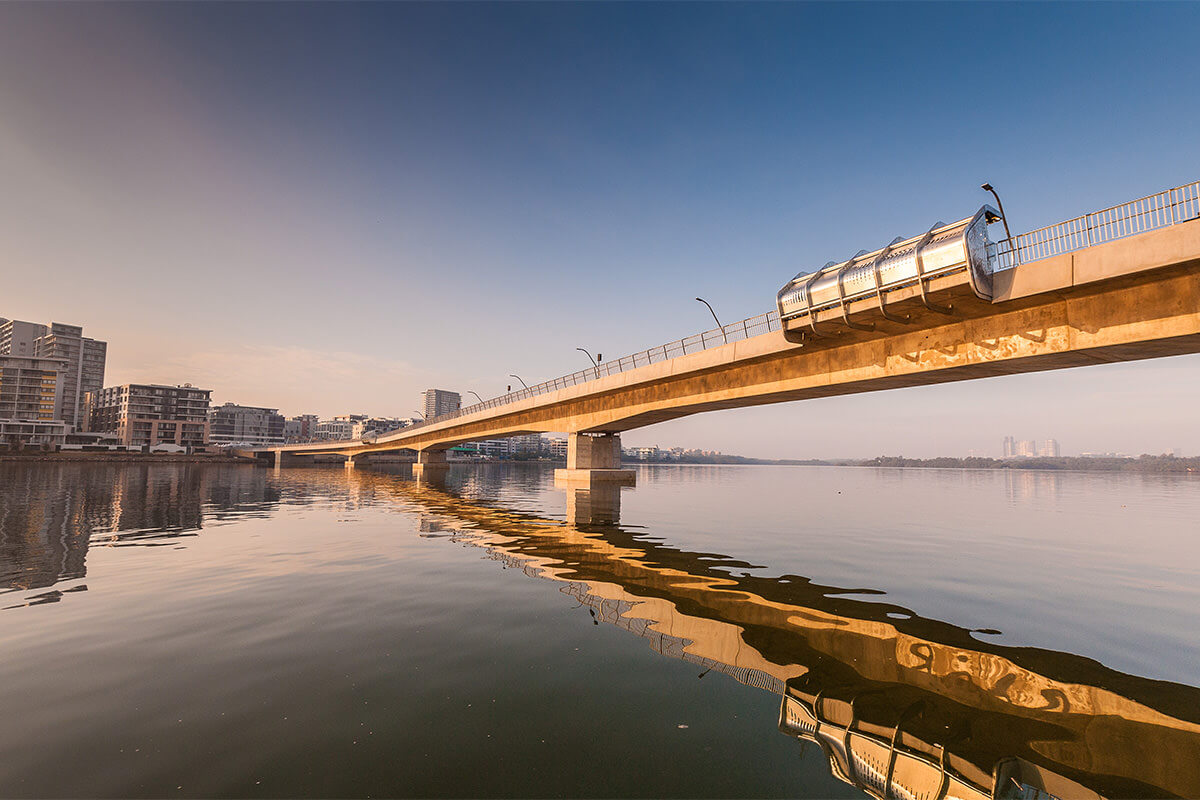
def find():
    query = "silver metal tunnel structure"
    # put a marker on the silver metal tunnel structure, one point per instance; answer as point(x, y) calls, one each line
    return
point(944, 250)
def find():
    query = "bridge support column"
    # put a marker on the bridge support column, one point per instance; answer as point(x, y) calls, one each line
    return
point(353, 460)
point(282, 458)
point(430, 463)
point(594, 458)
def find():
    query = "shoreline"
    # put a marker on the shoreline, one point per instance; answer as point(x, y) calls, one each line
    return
point(1154, 465)
point(133, 458)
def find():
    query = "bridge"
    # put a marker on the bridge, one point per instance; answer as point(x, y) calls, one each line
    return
point(1119, 284)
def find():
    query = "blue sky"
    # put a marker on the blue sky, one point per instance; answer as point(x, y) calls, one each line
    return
point(329, 207)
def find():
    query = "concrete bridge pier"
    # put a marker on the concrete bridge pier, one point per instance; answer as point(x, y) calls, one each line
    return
point(430, 463)
point(353, 460)
point(594, 458)
point(282, 458)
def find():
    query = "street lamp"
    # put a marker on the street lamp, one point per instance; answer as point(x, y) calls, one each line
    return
point(987, 187)
point(477, 397)
point(518, 377)
point(719, 325)
point(589, 355)
point(419, 414)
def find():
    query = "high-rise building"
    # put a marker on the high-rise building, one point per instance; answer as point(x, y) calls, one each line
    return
point(1026, 448)
point(85, 360)
point(29, 390)
point(143, 415)
point(440, 401)
point(1010, 447)
point(252, 425)
point(1048, 449)
point(19, 338)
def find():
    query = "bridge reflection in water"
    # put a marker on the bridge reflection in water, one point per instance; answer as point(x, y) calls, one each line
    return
point(902, 706)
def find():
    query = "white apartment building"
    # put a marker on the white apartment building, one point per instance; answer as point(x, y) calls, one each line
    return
point(254, 425)
point(334, 430)
point(29, 395)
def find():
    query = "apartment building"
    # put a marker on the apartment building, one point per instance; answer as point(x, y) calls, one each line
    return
point(376, 425)
point(527, 445)
point(85, 361)
point(251, 425)
point(19, 338)
point(440, 401)
point(144, 415)
point(300, 428)
point(29, 394)
point(334, 430)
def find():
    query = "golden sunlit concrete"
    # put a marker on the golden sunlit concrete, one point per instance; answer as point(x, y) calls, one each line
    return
point(1131, 299)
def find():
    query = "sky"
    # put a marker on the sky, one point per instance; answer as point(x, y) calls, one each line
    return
point(327, 208)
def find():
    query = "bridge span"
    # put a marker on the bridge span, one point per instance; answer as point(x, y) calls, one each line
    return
point(1119, 285)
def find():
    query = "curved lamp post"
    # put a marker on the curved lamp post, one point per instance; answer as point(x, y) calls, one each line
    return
point(589, 355)
point(987, 187)
point(477, 397)
point(518, 377)
point(719, 325)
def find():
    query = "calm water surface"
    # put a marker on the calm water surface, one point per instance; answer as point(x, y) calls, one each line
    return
point(185, 630)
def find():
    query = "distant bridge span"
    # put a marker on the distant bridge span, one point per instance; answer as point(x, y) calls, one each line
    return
point(1130, 298)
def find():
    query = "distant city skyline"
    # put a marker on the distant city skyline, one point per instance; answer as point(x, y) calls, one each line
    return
point(451, 194)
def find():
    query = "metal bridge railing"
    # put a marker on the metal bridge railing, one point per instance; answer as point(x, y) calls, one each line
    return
point(716, 337)
point(1128, 219)
point(1161, 210)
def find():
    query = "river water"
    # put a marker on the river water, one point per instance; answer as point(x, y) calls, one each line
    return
point(210, 630)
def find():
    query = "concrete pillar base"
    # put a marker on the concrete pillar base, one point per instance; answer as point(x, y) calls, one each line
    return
point(595, 451)
point(594, 458)
point(586, 477)
point(420, 469)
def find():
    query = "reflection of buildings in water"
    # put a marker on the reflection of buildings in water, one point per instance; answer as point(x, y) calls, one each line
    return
point(237, 488)
point(1024, 485)
point(51, 513)
point(42, 536)
point(963, 717)
point(154, 499)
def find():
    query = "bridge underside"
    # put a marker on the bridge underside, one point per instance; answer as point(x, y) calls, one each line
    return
point(1129, 300)
point(1139, 319)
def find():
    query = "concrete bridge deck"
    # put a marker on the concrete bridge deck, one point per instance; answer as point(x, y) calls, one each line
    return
point(1134, 298)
